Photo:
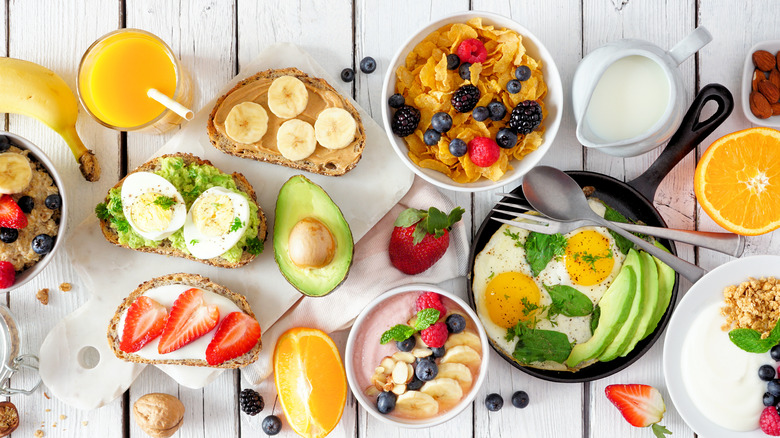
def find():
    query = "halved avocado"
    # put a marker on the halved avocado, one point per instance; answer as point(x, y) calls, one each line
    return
point(313, 244)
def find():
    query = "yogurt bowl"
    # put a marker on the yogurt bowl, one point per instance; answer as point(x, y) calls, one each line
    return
point(464, 362)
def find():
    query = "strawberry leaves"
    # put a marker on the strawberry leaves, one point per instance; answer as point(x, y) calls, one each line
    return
point(433, 221)
point(660, 431)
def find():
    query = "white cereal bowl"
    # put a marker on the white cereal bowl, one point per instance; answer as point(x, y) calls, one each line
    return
point(37, 153)
point(352, 350)
point(553, 102)
point(771, 46)
point(704, 293)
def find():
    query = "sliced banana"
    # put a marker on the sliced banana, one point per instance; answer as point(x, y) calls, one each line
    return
point(445, 391)
point(463, 354)
point(246, 122)
point(456, 371)
point(464, 338)
point(15, 173)
point(335, 128)
point(287, 97)
point(416, 404)
point(295, 140)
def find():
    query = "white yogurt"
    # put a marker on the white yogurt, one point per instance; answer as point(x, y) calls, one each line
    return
point(722, 379)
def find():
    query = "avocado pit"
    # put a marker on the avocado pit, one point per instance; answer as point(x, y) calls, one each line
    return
point(311, 244)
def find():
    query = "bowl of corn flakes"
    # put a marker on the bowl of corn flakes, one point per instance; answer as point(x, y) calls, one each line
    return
point(472, 101)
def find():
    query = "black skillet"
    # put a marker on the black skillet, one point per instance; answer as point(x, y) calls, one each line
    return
point(634, 199)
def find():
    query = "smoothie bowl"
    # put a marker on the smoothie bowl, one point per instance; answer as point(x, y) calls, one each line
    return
point(433, 360)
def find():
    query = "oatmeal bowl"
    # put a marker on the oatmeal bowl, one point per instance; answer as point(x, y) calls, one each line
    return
point(33, 211)
point(416, 356)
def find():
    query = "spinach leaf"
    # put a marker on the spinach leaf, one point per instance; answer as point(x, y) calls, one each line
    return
point(750, 340)
point(568, 301)
point(540, 345)
point(594, 319)
point(541, 248)
point(622, 243)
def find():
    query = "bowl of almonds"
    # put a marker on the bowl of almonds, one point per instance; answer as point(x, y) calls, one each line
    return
point(761, 84)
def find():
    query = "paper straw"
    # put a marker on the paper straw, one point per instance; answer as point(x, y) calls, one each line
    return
point(170, 104)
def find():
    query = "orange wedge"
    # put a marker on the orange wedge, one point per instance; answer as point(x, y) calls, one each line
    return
point(737, 181)
point(310, 380)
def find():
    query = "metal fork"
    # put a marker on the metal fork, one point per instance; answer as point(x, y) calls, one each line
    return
point(727, 243)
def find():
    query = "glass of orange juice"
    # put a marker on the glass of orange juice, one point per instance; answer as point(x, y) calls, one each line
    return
point(116, 73)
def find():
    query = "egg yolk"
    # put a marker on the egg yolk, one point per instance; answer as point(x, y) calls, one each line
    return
point(148, 216)
point(589, 258)
point(213, 215)
point(510, 297)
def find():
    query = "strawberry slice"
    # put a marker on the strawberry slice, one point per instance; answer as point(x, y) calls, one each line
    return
point(236, 334)
point(144, 321)
point(190, 318)
point(641, 405)
point(11, 216)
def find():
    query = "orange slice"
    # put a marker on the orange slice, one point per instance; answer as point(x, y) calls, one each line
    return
point(737, 181)
point(310, 380)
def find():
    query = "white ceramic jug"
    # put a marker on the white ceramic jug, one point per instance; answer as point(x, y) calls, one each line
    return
point(595, 64)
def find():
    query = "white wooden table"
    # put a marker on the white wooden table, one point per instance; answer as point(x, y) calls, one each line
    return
point(214, 38)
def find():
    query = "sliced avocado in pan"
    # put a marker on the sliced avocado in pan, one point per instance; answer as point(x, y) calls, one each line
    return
point(629, 327)
point(650, 279)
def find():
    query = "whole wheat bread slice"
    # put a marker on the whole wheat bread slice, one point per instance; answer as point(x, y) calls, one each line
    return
point(165, 247)
point(227, 145)
point(194, 280)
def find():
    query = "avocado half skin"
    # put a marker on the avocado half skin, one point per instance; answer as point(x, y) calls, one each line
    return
point(280, 257)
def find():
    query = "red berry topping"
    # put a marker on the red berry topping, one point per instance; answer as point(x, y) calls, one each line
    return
point(11, 216)
point(420, 238)
point(430, 300)
point(484, 151)
point(7, 274)
point(237, 334)
point(472, 50)
point(144, 322)
point(770, 421)
point(190, 318)
point(435, 336)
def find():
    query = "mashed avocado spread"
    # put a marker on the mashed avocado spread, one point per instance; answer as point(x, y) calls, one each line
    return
point(190, 180)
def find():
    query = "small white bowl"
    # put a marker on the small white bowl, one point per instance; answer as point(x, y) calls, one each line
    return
point(771, 46)
point(353, 352)
point(553, 103)
point(37, 153)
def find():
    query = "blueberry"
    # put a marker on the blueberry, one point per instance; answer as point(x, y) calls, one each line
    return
point(347, 75)
point(480, 113)
point(272, 425)
point(506, 138)
point(438, 352)
point(453, 61)
point(8, 235)
point(497, 111)
point(26, 203)
point(385, 403)
point(522, 73)
point(769, 399)
point(426, 370)
point(396, 101)
point(774, 387)
point(494, 402)
point(42, 244)
point(431, 137)
point(407, 344)
point(367, 65)
point(441, 122)
point(53, 202)
point(520, 399)
point(513, 86)
point(775, 353)
point(415, 384)
point(5, 143)
point(458, 147)
point(766, 372)
point(456, 323)
point(464, 71)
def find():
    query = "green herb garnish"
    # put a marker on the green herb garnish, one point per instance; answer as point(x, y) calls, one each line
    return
point(536, 345)
point(194, 241)
point(236, 225)
point(101, 211)
point(568, 301)
point(513, 236)
point(591, 259)
point(165, 202)
point(254, 245)
point(401, 332)
point(541, 248)
point(750, 340)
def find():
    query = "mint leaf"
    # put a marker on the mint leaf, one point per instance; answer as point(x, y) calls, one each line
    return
point(541, 345)
point(569, 301)
point(541, 248)
point(409, 217)
point(426, 318)
point(660, 431)
point(254, 245)
point(750, 340)
point(398, 333)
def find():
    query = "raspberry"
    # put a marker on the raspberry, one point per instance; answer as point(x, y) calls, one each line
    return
point(483, 151)
point(770, 421)
point(526, 116)
point(7, 274)
point(405, 120)
point(430, 300)
point(435, 336)
point(472, 50)
point(465, 98)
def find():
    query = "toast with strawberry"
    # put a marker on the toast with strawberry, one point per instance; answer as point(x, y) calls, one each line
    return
point(185, 319)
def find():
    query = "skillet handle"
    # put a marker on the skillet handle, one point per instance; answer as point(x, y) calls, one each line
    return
point(690, 133)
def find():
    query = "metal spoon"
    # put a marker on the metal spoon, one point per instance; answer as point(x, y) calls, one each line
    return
point(556, 195)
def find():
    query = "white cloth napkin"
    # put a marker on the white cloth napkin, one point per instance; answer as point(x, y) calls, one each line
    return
point(371, 275)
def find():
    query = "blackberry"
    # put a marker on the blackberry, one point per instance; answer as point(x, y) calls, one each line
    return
point(465, 98)
point(526, 116)
point(250, 401)
point(405, 120)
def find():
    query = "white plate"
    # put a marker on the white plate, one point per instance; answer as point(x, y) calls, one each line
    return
point(706, 292)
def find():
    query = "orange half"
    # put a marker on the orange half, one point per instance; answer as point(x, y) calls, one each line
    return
point(737, 181)
point(310, 380)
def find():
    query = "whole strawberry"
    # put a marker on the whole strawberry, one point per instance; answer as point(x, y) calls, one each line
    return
point(420, 238)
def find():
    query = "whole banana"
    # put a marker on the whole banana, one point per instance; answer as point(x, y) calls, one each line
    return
point(33, 90)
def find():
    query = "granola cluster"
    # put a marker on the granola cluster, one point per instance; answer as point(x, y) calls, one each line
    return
point(753, 304)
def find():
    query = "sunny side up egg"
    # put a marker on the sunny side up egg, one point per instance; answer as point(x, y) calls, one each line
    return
point(216, 221)
point(152, 205)
point(506, 291)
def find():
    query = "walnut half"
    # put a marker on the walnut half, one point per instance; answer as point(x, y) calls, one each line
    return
point(159, 415)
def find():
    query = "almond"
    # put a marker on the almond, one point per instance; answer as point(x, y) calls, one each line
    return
point(758, 76)
point(763, 60)
point(759, 106)
point(769, 90)
point(775, 108)
point(774, 77)
point(777, 55)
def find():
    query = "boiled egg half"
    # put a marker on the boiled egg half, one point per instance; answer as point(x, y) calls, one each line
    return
point(216, 221)
point(152, 205)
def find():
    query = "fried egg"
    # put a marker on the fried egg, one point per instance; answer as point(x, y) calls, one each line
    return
point(216, 221)
point(152, 205)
